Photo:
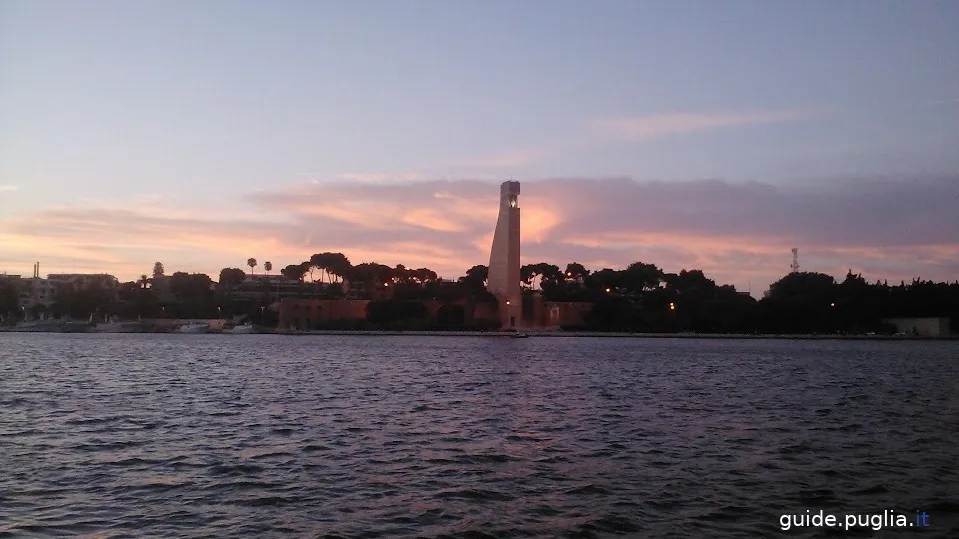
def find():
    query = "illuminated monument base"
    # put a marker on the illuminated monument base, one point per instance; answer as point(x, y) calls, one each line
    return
point(503, 280)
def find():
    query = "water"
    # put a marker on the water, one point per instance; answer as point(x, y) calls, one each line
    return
point(210, 435)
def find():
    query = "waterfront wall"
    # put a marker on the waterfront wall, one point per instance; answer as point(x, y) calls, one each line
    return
point(303, 313)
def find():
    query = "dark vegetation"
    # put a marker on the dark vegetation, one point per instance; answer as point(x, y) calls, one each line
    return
point(640, 297)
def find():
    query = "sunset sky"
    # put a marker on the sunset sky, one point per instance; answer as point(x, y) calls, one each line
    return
point(690, 134)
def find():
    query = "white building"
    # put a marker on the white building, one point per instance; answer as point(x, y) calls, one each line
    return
point(36, 291)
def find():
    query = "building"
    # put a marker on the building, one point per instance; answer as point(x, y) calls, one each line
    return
point(503, 280)
point(86, 281)
point(922, 327)
point(37, 292)
point(279, 287)
point(82, 281)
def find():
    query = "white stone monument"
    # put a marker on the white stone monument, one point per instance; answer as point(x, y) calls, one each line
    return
point(503, 280)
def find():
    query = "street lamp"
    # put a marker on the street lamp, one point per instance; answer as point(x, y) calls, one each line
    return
point(672, 306)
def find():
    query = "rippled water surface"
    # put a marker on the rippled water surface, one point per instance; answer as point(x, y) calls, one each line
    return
point(361, 436)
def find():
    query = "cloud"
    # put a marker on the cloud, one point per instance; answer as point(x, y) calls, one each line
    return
point(378, 177)
point(509, 159)
point(4, 188)
point(740, 233)
point(641, 128)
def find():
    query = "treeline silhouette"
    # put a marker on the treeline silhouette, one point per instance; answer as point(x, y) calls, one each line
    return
point(641, 297)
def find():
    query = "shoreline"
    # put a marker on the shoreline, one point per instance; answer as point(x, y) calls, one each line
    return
point(610, 334)
point(539, 334)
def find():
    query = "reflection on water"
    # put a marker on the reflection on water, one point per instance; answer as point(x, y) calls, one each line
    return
point(170, 435)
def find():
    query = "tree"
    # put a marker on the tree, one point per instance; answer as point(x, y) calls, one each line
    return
point(186, 286)
point(158, 269)
point(526, 275)
point(252, 263)
point(9, 297)
point(268, 266)
point(81, 303)
point(638, 277)
point(690, 283)
point(603, 280)
point(477, 276)
point(306, 267)
point(802, 302)
point(425, 275)
point(334, 265)
point(401, 274)
point(144, 282)
point(576, 272)
point(293, 272)
point(368, 275)
point(319, 261)
point(339, 265)
point(230, 277)
point(804, 285)
point(548, 274)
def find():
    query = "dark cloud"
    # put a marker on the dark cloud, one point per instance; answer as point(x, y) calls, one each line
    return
point(844, 213)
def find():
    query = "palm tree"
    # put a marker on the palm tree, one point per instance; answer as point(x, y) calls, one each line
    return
point(144, 282)
point(252, 263)
point(268, 266)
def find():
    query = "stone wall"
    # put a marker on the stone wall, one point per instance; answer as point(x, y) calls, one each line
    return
point(307, 313)
point(565, 313)
point(301, 313)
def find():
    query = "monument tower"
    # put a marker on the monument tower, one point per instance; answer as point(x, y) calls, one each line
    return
point(503, 278)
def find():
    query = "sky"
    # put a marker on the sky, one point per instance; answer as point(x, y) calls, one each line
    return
point(688, 134)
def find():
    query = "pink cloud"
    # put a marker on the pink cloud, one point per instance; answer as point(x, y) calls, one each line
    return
point(641, 128)
point(739, 233)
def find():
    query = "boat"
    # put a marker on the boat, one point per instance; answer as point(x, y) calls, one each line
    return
point(240, 330)
point(194, 327)
point(518, 335)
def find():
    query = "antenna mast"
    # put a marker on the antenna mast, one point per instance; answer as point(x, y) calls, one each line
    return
point(795, 265)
